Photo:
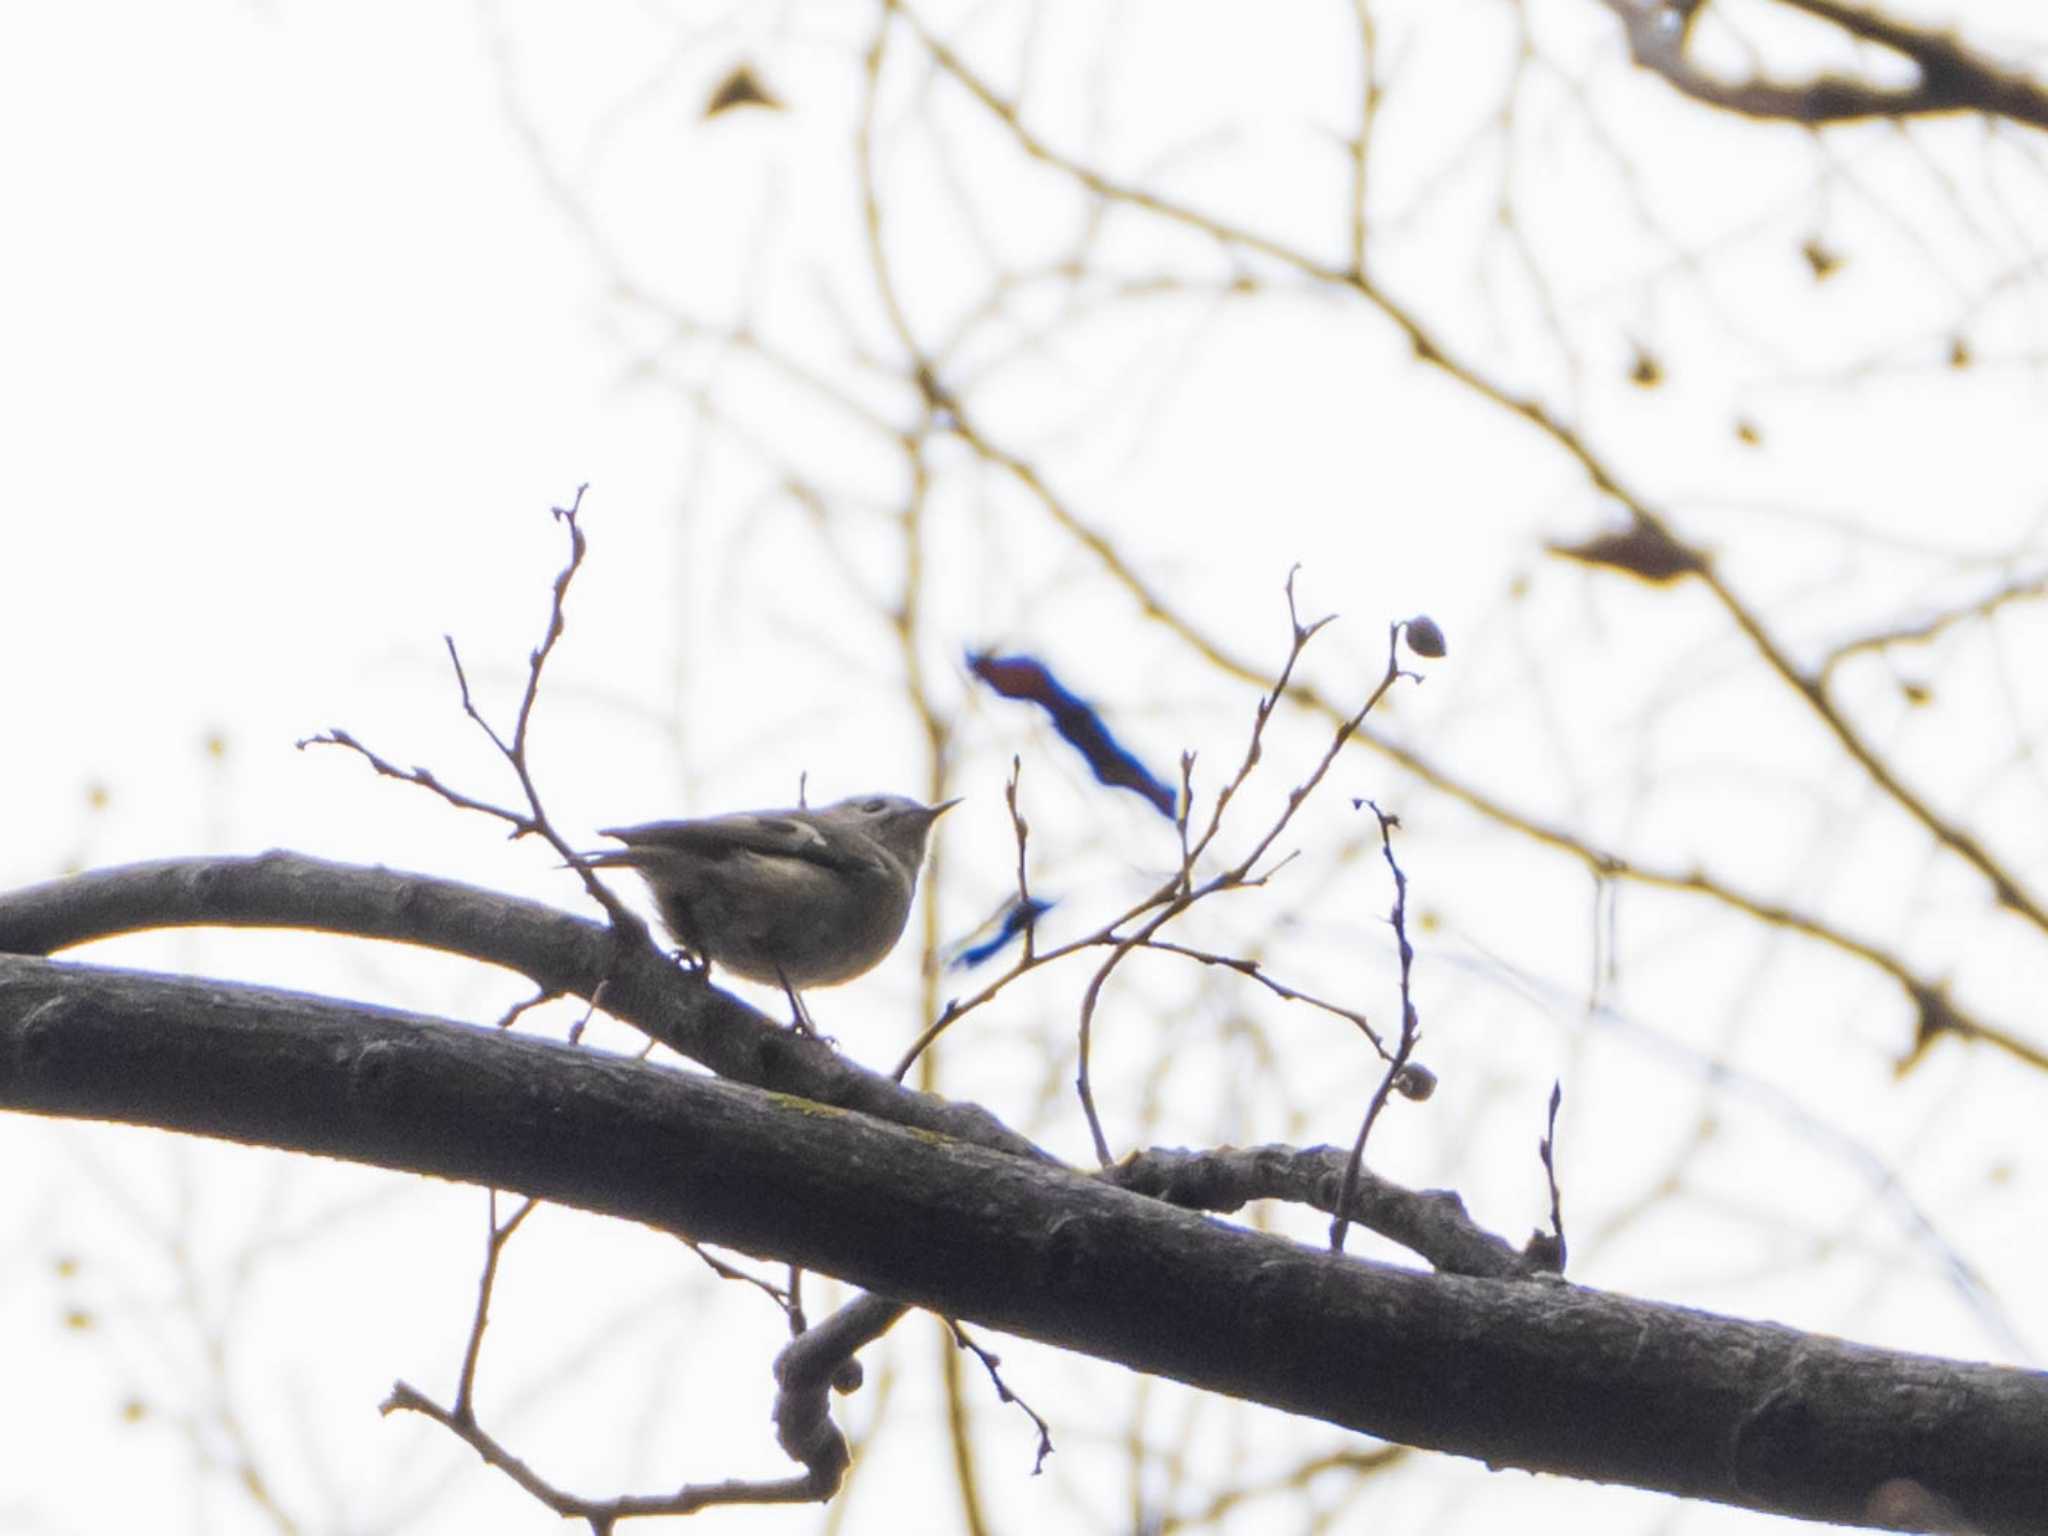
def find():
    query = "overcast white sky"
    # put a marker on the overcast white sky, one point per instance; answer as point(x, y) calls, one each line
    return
point(307, 315)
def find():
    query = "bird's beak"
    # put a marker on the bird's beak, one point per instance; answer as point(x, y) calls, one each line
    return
point(944, 806)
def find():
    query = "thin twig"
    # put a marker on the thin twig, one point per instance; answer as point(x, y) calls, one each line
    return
point(494, 1248)
point(991, 1363)
point(1411, 1031)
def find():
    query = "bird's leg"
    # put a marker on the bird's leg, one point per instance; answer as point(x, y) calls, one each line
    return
point(799, 1015)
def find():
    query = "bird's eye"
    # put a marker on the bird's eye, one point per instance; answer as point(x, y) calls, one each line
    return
point(872, 806)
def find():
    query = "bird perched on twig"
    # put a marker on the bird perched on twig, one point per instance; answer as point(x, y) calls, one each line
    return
point(801, 898)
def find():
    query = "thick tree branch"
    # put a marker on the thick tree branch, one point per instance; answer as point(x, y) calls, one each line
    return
point(1535, 1375)
point(1952, 78)
point(564, 956)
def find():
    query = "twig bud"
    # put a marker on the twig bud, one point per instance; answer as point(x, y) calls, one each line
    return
point(1424, 638)
point(1415, 1081)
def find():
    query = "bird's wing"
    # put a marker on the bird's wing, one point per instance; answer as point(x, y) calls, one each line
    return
point(718, 837)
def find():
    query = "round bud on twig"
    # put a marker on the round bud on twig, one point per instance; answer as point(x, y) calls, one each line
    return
point(1415, 1081)
point(1424, 638)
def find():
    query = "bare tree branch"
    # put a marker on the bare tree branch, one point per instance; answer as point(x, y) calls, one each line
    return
point(1952, 77)
point(1526, 1374)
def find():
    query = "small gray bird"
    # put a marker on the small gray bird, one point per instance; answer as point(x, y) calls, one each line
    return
point(799, 897)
